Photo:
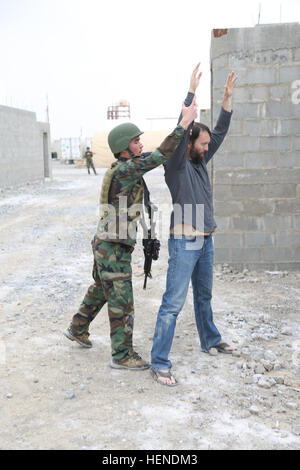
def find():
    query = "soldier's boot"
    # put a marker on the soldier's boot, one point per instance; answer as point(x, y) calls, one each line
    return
point(82, 338)
point(132, 362)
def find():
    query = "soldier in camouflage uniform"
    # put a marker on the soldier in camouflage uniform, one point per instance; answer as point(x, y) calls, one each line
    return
point(89, 160)
point(113, 248)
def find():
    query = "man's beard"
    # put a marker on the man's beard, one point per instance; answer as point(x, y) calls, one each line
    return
point(195, 156)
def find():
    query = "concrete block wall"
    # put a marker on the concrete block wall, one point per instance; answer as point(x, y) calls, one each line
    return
point(24, 147)
point(256, 173)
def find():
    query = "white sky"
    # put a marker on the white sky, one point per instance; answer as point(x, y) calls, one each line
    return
point(87, 54)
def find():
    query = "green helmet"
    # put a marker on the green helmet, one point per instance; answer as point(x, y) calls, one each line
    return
point(120, 136)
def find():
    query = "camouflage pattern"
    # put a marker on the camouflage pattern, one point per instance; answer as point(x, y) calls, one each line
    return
point(127, 181)
point(112, 256)
point(89, 161)
point(113, 284)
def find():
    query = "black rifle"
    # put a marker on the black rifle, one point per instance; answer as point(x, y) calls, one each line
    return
point(151, 245)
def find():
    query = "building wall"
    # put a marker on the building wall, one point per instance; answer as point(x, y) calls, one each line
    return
point(256, 173)
point(24, 147)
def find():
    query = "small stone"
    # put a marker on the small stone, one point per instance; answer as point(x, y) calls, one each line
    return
point(254, 410)
point(71, 396)
point(9, 395)
point(279, 380)
point(259, 369)
point(286, 331)
point(287, 382)
point(267, 365)
point(296, 430)
point(248, 380)
point(213, 352)
point(266, 382)
point(269, 356)
point(291, 405)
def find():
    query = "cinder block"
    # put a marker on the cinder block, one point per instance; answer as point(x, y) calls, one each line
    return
point(288, 239)
point(221, 61)
point(287, 206)
point(222, 255)
point(278, 190)
point(297, 55)
point(290, 126)
point(220, 77)
point(296, 222)
point(245, 110)
point(223, 223)
point(260, 160)
point(275, 143)
point(259, 93)
point(245, 223)
point(246, 191)
point(228, 208)
point(228, 239)
point(222, 192)
point(259, 239)
point(288, 159)
point(244, 143)
point(278, 254)
point(241, 94)
point(236, 127)
point(274, 223)
point(258, 207)
point(279, 92)
point(228, 160)
point(289, 74)
point(277, 110)
point(261, 75)
point(246, 254)
point(296, 142)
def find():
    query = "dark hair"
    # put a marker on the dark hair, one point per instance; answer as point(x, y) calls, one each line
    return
point(197, 128)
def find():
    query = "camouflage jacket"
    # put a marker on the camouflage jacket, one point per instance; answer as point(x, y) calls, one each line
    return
point(88, 155)
point(118, 220)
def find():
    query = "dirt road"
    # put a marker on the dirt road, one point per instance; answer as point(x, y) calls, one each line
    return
point(56, 395)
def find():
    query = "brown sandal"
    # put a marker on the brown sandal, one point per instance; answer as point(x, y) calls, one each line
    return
point(156, 374)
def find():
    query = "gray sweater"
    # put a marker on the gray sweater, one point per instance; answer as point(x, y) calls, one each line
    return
point(189, 183)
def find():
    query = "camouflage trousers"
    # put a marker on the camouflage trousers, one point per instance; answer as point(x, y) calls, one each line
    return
point(113, 284)
point(90, 164)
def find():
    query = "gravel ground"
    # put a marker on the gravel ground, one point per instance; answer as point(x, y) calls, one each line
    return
point(56, 395)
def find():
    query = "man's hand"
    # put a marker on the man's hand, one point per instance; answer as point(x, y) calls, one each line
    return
point(189, 114)
point(195, 79)
point(229, 85)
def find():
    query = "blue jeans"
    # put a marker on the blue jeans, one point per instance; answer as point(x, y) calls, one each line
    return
point(189, 258)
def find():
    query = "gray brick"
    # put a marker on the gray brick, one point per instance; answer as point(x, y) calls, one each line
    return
point(290, 126)
point(278, 190)
point(275, 143)
point(296, 143)
point(288, 159)
point(246, 191)
point(246, 110)
point(258, 207)
point(228, 208)
point(220, 77)
point(223, 223)
point(261, 75)
point(259, 93)
point(296, 222)
point(289, 74)
point(241, 94)
point(222, 192)
point(287, 206)
point(296, 108)
point(297, 254)
point(221, 61)
point(260, 160)
point(229, 160)
point(255, 176)
point(259, 239)
point(276, 223)
point(278, 254)
point(228, 239)
point(288, 239)
point(245, 223)
point(222, 255)
point(244, 143)
point(236, 127)
point(297, 55)
point(246, 254)
point(274, 110)
point(279, 92)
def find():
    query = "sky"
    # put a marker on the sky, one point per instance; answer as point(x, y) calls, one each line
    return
point(80, 56)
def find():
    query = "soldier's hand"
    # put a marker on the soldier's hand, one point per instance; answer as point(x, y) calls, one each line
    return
point(195, 79)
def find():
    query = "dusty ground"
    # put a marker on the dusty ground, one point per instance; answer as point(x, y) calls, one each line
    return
point(56, 395)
